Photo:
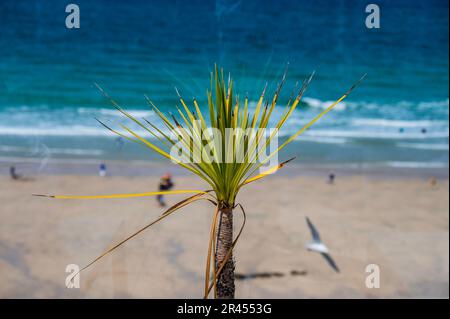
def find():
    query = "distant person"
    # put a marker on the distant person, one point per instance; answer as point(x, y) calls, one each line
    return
point(17, 177)
point(424, 131)
point(331, 178)
point(13, 174)
point(164, 185)
point(102, 170)
point(401, 130)
point(432, 181)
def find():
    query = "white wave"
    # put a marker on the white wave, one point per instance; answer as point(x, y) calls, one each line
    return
point(75, 151)
point(317, 103)
point(67, 151)
point(90, 111)
point(53, 160)
point(71, 121)
point(326, 140)
point(75, 130)
point(425, 146)
point(434, 104)
point(312, 102)
point(113, 112)
point(325, 136)
point(396, 123)
point(375, 135)
point(399, 164)
point(400, 104)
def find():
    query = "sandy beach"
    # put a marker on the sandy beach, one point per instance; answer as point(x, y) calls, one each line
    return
point(397, 222)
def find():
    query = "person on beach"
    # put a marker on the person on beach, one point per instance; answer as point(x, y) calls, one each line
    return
point(432, 181)
point(164, 185)
point(102, 170)
point(13, 174)
point(331, 178)
point(18, 177)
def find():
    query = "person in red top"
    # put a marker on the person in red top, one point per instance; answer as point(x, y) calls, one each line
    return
point(164, 185)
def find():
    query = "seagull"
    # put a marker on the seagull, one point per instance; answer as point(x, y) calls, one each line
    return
point(317, 245)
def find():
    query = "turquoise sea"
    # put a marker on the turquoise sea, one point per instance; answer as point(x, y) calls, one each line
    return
point(398, 117)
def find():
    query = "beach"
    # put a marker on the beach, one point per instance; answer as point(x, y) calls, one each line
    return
point(397, 221)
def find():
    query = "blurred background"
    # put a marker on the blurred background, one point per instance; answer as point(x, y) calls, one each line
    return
point(397, 118)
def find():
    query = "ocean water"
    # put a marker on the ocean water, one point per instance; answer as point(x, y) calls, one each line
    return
point(397, 117)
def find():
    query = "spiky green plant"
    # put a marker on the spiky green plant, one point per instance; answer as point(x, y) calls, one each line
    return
point(225, 177)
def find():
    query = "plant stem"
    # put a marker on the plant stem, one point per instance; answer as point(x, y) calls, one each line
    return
point(225, 281)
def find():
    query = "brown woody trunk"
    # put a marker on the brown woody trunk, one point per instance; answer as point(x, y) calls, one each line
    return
point(225, 281)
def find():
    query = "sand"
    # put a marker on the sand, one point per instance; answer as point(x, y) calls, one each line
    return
point(400, 224)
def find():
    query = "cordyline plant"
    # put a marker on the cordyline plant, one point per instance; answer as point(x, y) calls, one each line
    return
point(225, 178)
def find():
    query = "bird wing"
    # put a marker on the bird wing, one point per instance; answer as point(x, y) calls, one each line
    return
point(330, 261)
point(314, 232)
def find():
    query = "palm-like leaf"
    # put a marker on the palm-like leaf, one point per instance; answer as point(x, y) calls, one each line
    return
point(226, 111)
point(223, 172)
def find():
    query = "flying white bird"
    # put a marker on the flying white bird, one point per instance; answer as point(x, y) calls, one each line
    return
point(317, 245)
